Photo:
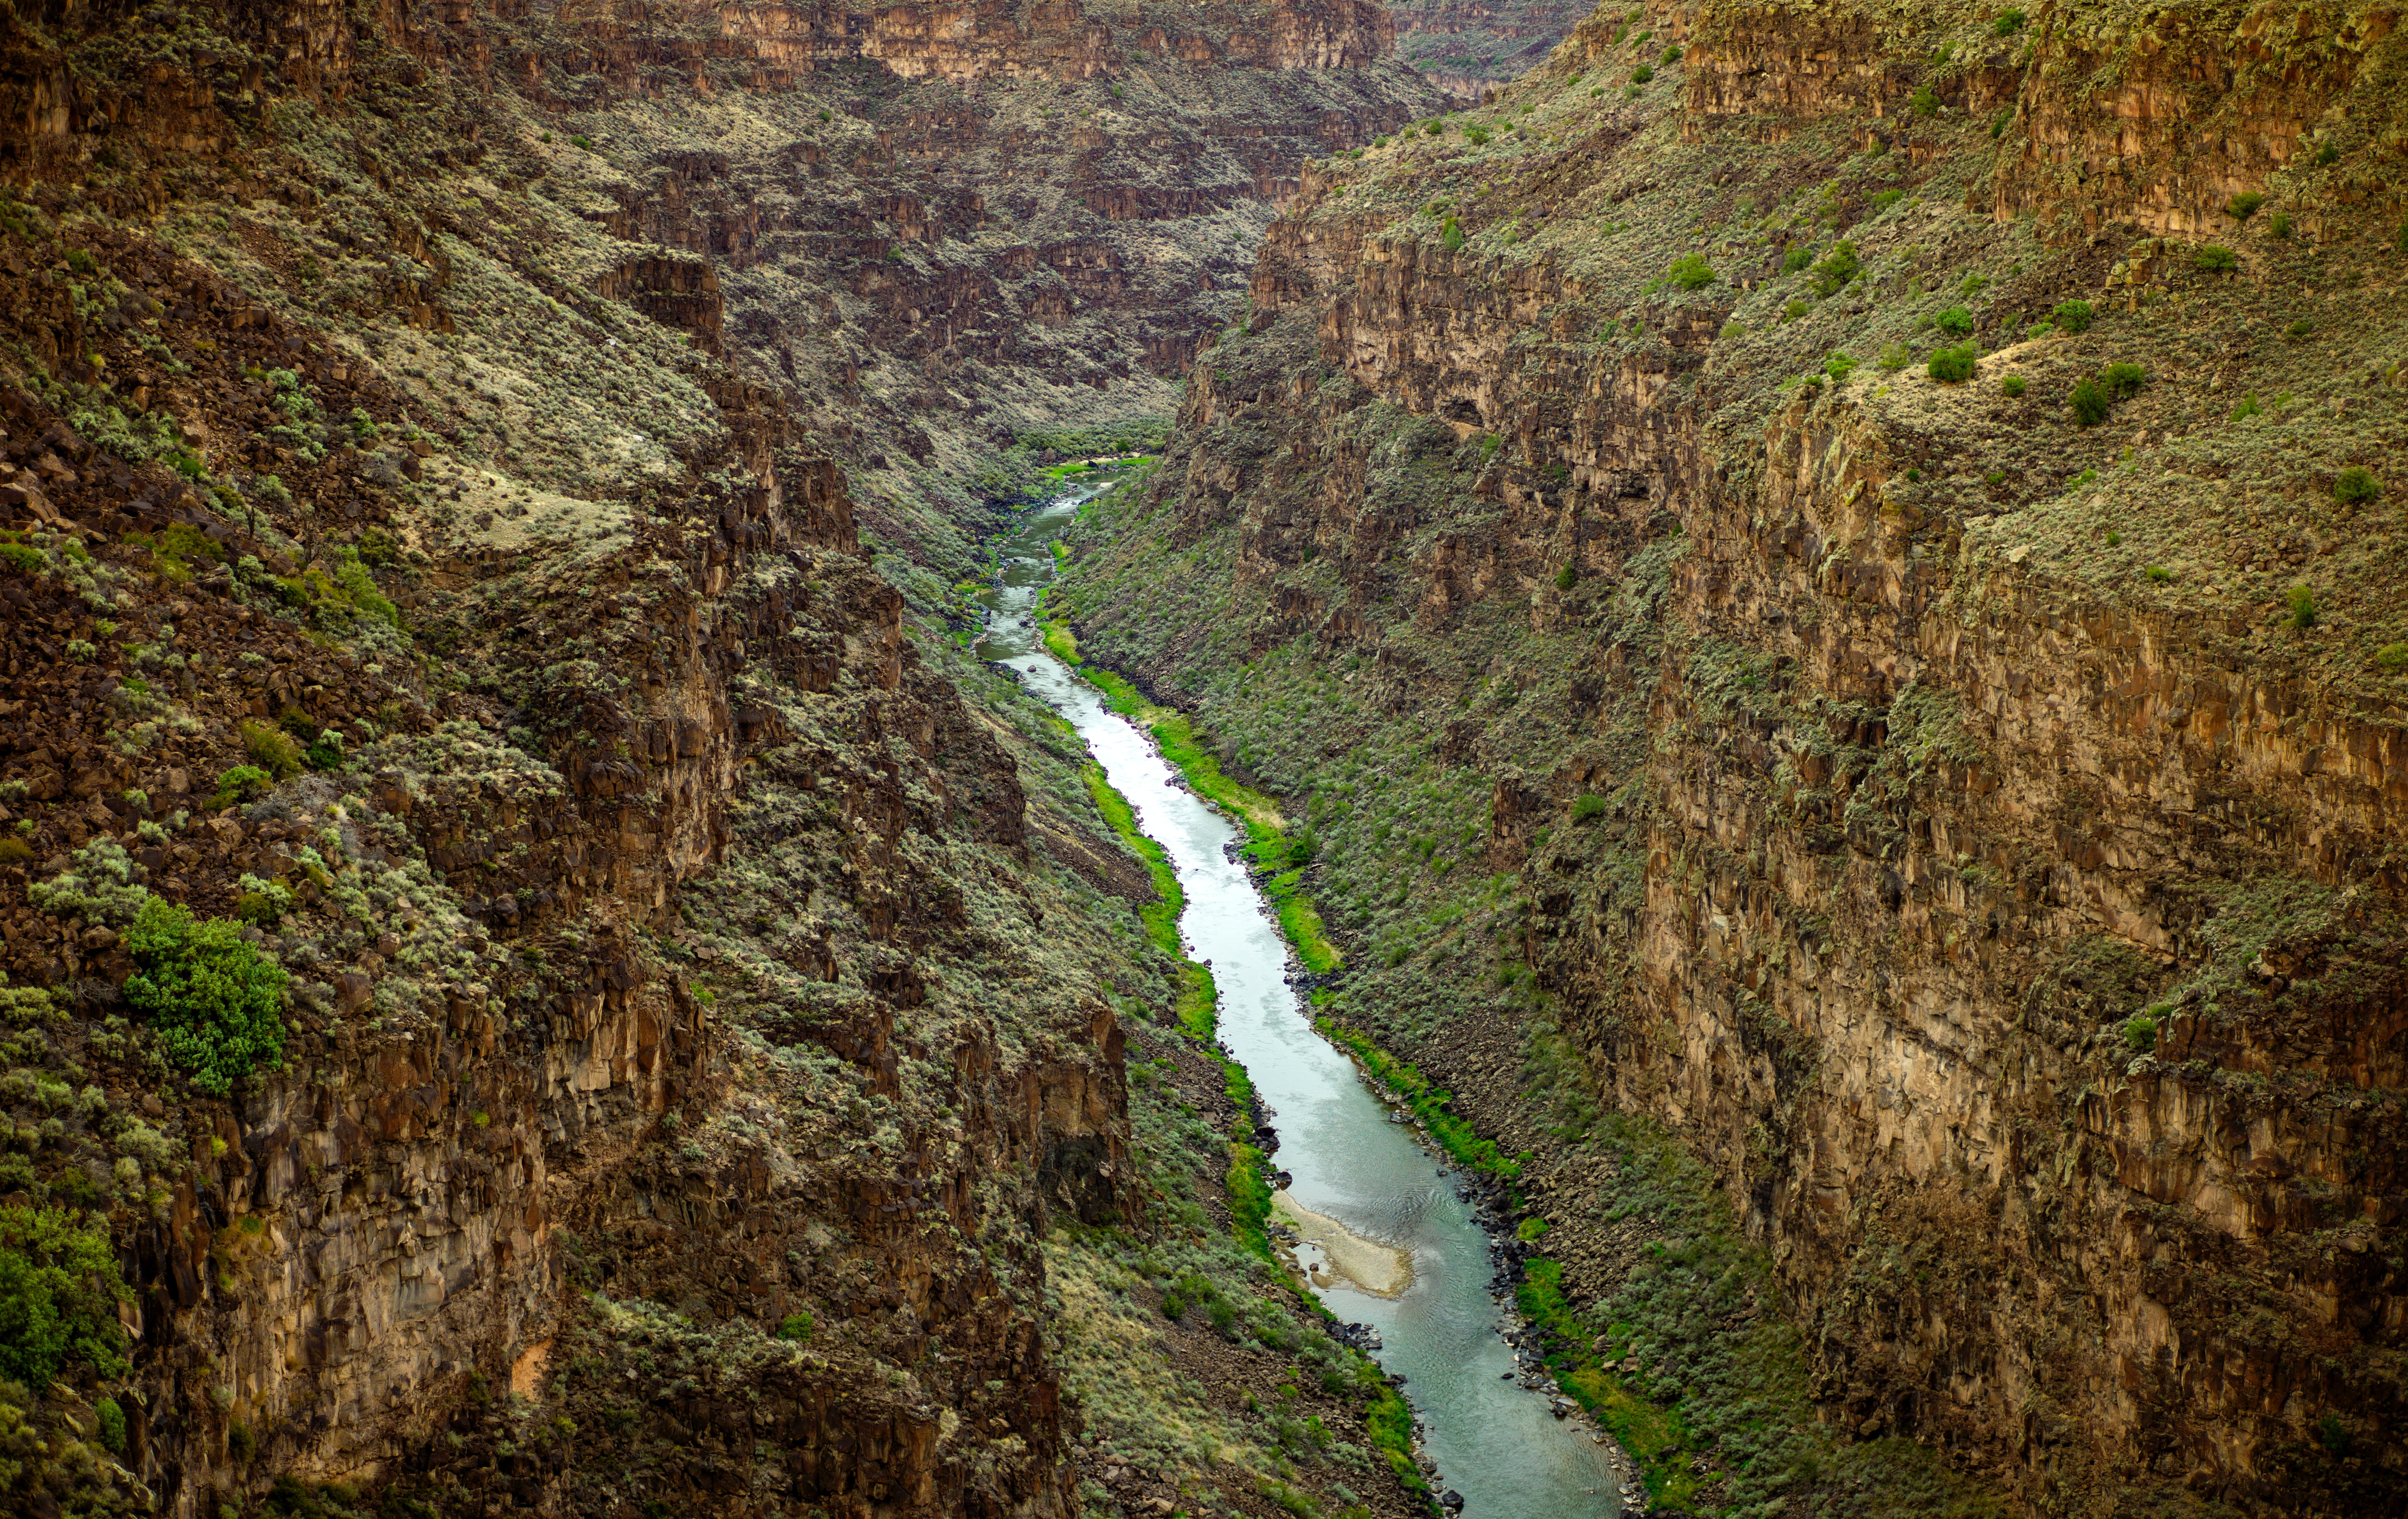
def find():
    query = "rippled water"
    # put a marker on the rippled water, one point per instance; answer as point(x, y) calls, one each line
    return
point(1494, 1443)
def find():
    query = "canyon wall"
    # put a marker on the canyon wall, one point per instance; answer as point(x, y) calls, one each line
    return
point(1957, 815)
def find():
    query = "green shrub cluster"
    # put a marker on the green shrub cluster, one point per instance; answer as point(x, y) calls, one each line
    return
point(1954, 365)
point(59, 1290)
point(215, 998)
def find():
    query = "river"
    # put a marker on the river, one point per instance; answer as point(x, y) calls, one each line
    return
point(1493, 1441)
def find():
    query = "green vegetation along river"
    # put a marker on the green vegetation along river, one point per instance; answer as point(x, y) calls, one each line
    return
point(1388, 1231)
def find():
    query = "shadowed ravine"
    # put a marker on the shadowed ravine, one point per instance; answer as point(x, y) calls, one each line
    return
point(1495, 1442)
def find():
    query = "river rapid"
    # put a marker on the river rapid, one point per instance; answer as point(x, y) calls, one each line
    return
point(1390, 1211)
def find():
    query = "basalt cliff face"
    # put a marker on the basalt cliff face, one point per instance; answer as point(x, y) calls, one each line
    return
point(541, 968)
point(1885, 530)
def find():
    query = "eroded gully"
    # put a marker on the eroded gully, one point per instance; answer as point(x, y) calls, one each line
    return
point(1386, 1210)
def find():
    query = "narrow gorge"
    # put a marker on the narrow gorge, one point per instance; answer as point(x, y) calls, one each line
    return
point(1790, 615)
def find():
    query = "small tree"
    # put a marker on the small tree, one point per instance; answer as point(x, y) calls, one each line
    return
point(1837, 267)
point(2073, 316)
point(2214, 258)
point(1953, 366)
point(2355, 486)
point(1956, 321)
point(2243, 206)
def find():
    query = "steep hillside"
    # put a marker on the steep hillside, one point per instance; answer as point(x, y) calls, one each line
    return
point(1842, 572)
point(538, 975)
point(1467, 47)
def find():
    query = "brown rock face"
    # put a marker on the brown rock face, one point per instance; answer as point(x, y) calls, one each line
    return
point(541, 1116)
point(2020, 949)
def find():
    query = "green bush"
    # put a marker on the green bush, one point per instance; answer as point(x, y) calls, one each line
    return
point(2216, 258)
point(2249, 406)
point(1477, 136)
point(2013, 385)
point(1953, 366)
point(2009, 23)
point(1839, 366)
point(112, 1426)
point(1641, 73)
point(1956, 321)
point(1587, 807)
point(59, 1289)
point(23, 558)
point(2392, 658)
point(1894, 357)
point(2243, 206)
point(1795, 260)
point(2073, 316)
point(1924, 101)
point(2278, 226)
point(2328, 155)
point(1566, 577)
point(325, 751)
point(2333, 1435)
point(272, 749)
point(214, 998)
point(2089, 403)
point(2302, 603)
point(1692, 272)
point(262, 901)
point(2123, 381)
point(2355, 486)
point(241, 784)
point(1884, 199)
point(2157, 574)
point(1837, 267)
point(2140, 1032)
point(797, 1326)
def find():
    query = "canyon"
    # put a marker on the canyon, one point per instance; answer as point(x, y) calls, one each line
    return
point(1800, 600)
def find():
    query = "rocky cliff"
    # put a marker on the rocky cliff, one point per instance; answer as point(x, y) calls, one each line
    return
point(538, 975)
point(1893, 571)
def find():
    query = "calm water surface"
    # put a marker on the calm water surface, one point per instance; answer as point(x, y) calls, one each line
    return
point(1494, 1443)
